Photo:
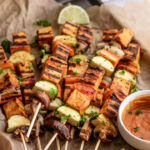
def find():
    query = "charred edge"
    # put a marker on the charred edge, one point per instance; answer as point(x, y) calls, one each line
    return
point(113, 97)
point(74, 25)
point(11, 97)
point(63, 51)
point(61, 57)
point(3, 57)
point(111, 113)
point(44, 33)
point(20, 43)
point(53, 68)
point(19, 37)
point(55, 60)
point(83, 37)
point(50, 75)
point(113, 106)
point(134, 50)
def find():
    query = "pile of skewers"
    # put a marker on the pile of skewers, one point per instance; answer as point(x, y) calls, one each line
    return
point(73, 93)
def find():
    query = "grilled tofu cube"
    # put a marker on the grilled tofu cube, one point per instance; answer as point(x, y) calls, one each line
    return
point(3, 56)
point(78, 101)
point(70, 28)
point(15, 107)
point(59, 94)
point(127, 65)
point(20, 42)
point(132, 53)
point(52, 72)
point(45, 36)
point(93, 77)
point(124, 37)
point(61, 50)
point(108, 35)
point(67, 91)
point(6, 65)
point(121, 85)
point(98, 100)
point(85, 34)
point(109, 55)
point(10, 94)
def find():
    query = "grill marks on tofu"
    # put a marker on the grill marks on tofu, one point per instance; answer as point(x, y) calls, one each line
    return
point(20, 42)
point(61, 50)
point(122, 86)
point(85, 34)
point(52, 72)
point(132, 53)
point(93, 77)
point(108, 35)
point(124, 37)
point(15, 107)
point(70, 28)
point(3, 56)
point(67, 90)
point(45, 36)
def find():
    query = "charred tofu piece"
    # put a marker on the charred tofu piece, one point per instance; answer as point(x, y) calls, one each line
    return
point(70, 28)
point(127, 65)
point(108, 35)
point(27, 93)
point(110, 56)
point(3, 56)
point(78, 101)
point(61, 50)
point(93, 77)
point(15, 107)
point(52, 72)
point(10, 94)
point(59, 94)
point(26, 73)
point(45, 36)
point(124, 37)
point(98, 100)
point(67, 91)
point(85, 34)
point(86, 131)
point(132, 53)
point(20, 42)
point(122, 86)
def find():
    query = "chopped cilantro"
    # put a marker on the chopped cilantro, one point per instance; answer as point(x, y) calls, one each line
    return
point(77, 60)
point(30, 66)
point(53, 91)
point(64, 118)
point(42, 52)
point(83, 118)
point(60, 65)
point(130, 112)
point(136, 129)
point(34, 42)
point(131, 81)
point(122, 72)
point(138, 111)
point(44, 23)
point(1, 70)
point(103, 122)
point(134, 89)
point(6, 45)
point(103, 102)
point(116, 52)
point(93, 114)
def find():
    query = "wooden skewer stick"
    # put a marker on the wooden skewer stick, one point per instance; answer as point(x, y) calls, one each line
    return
point(66, 145)
point(38, 143)
point(82, 145)
point(97, 144)
point(33, 120)
point(58, 144)
point(23, 141)
point(51, 141)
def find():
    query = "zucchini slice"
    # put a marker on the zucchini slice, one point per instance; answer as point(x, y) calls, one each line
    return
point(74, 118)
point(17, 121)
point(80, 57)
point(116, 51)
point(99, 61)
point(47, 86)
point(55, 104)
point(127, 76)
point(66, 39)
point(45, 58)
point(21, 56)
point(92, 109)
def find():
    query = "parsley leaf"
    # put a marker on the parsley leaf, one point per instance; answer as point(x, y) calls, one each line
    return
point(20, 79)
point(130, 112)
point(1, 70)
point(134, 89)
point(42, 52)
point(93, 114)
point(138, 111)
point(44, 23)
point(122, 72)
point(136, 129)
point(53, 91)
point(30, 66)
point(34, 42)
point(64, 118)
point(6, 45)
point(103, 122)
point(83, 118)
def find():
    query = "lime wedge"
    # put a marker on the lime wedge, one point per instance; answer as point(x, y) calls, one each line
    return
point(73, 13)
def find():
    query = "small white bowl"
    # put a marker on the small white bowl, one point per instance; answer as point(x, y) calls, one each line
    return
point(127, 135)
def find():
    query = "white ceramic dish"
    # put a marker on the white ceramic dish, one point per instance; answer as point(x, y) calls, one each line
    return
point(128, 137)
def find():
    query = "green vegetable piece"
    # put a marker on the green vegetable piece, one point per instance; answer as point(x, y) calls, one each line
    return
point(64, 118)
point(44, 23)
point(134, 89)
point(30, 66)
point(53, 91)
point(42, 52)
point(83, 118)
point(6, 45)
point(122, 72)
point(103, 122)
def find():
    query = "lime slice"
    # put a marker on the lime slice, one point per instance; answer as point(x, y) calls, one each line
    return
point(75, 14)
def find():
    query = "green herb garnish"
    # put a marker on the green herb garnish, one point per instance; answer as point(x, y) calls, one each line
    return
point(1, 70)
point(93, 114)
point(42, 52)
point(60, 65)
point(6, 45)
point(64, 118)
point(131, 81)
point(53, 91)
point(103, 102)
point(103, 122)
point(136, 129)
point(134, 89)
point(30, 66)
point(77, 60)
point(75, 72)
point(138, 111)
point(34, 42)
point(44, 23)
point(83, 118)
point(122, 72)
point(130, 112)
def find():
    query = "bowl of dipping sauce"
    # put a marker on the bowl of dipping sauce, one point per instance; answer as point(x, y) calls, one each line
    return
point(134, 119)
